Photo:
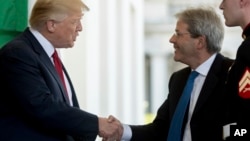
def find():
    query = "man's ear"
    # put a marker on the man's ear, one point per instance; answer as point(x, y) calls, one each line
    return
point(50, 24)
point(244, 3)
point(202, 42)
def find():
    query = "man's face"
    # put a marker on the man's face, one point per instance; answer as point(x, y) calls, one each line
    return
point(66, 31)
point(232, 12)
point(183, 43)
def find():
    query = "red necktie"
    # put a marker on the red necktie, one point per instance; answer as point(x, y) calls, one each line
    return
point(58, 66)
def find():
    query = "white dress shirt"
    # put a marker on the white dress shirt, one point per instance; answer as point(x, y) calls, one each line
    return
point(49, 49)
point(203, 70)
point(198, 83)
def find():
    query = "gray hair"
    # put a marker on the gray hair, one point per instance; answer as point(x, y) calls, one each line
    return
point(204, 21)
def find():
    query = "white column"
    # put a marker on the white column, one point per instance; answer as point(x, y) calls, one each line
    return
point(159, 87)
point(83, 60)
point(131, 58)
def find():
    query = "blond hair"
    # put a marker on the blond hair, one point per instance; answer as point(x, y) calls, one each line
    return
point(57, 10)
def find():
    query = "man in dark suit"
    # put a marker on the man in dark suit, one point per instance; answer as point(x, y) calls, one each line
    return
point(197, 41)
point(37, 103)
point(236, 13)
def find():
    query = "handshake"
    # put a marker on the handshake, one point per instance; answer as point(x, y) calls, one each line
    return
point(110, 129)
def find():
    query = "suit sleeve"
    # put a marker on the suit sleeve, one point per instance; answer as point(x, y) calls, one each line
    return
point(158, 129)
point(31, 96)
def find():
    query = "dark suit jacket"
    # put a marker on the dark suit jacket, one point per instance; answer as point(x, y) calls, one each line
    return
point(206, 124)
point(32, 104)
point(239, 100)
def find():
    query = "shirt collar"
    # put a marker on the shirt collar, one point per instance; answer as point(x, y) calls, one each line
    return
point(47, 46)
point(205, 66)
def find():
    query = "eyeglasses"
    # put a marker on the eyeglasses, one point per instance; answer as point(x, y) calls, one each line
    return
point(179, 34)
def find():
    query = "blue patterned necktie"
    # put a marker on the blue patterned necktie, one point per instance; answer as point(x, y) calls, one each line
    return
point(175, 129)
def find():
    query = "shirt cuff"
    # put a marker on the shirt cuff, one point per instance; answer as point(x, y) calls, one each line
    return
point(127, 133)
point(226, 130)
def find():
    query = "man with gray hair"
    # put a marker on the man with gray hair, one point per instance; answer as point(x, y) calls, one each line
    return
point(193, 110)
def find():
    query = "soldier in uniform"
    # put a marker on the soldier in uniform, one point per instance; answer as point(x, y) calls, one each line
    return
point(237, 13)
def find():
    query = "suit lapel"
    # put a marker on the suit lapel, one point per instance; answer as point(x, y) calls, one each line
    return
point(74, 99)
point(46, 61)
point(176, 85)
point(209, 84)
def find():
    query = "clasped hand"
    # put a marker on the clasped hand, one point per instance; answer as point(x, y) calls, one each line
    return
point(110, 129)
